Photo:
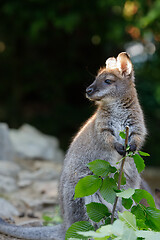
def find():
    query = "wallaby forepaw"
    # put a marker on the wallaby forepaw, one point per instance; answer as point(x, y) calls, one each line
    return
point(133, 147)
point(120, 148)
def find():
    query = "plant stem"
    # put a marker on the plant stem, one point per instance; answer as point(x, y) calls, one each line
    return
point(120, 174)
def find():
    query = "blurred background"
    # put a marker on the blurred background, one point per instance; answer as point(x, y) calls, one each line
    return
point(50, 52)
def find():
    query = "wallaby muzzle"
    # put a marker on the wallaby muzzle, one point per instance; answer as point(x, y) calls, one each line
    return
point(91, 89)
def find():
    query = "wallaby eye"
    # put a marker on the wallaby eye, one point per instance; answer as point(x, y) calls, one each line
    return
point(108, 81)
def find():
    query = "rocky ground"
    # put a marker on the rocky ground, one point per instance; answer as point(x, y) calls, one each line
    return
point(30, 166)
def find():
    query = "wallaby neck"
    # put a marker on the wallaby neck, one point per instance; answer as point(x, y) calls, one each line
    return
point(125, 101)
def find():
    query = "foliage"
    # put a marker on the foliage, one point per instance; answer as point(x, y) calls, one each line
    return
point(97, 211)
point(87, 186)
point(78, 226)
point(50, 219)
point(140, 222)
point(47, 50)
point(124, 228)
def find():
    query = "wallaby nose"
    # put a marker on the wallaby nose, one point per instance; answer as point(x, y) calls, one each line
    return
point(89, 90)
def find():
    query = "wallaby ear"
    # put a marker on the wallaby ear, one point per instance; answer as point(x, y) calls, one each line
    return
point(124, 64)
point(111, 63)
point(157, 198)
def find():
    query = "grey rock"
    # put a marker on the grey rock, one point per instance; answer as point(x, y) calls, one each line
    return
point(9, 169)
point(38, 175)
point(49, 189)
point(7, 184)
point(7, 210)
point(31, 143)
point(37, 204)
point(22, 183)
point(38, 195)
point(6, 147)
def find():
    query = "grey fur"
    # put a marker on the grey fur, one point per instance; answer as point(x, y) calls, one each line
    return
point(118, 107)
point(33, 233)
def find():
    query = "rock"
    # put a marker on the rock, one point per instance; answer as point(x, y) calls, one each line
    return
point(7, 184)
point(37, 196)
point(48, 165)
point(36, 170)
point(30, 143)
point(49, 189)
point(7, 210)
point(38, 175)
point(9, 169)
point(6, 147)
point(37, 204)
point(5, 237)
point(22, 183)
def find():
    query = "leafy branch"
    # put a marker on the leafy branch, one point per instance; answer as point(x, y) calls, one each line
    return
point(120, 174)
point(139, 222)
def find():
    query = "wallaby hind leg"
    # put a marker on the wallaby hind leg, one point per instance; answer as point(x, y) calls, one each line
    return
point(73, 210)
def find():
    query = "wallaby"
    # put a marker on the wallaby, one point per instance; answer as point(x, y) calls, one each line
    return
point(114, 92)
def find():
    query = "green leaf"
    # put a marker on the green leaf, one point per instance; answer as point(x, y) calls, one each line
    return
point(95, 235)
point(73, 238)
point(148, 235)
point(118, 227)
point(129, 234)
point(139, 162)
point(117, 230)
point(144, 154)
point(101, 233)
point(107, 189)
point(47, 218)
point(87, 186)
point(127, 203)
point(82, 226)
point(123, 179)
point(140, 194)
point(153, 218)
point(128, 218)
point(97, 211)
point(122, 134)
point(124, 229)
point(127, 148)
point(104, 232)
point(108, 220)
point(120, 160)
point(101, 167)
point(126, 193)
point(139, 212)
point(141, 224)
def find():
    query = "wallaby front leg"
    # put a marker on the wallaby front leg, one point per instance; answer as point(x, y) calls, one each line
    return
point(135, 140)
point(110, 139)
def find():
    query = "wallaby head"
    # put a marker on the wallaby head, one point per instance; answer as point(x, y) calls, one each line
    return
point(113, 80)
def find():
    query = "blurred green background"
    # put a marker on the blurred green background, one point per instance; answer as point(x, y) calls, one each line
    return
point(50, 52)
